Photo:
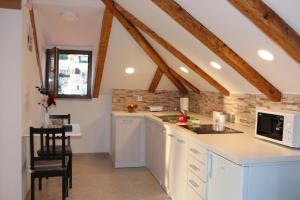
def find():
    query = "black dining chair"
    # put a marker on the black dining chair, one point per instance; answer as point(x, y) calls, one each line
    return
point(68, 149)
point(52, 163)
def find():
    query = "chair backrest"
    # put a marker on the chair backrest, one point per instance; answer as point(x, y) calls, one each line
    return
point(62, 117)
point(48, 143)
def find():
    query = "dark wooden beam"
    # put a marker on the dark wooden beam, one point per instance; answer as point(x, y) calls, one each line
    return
point(11, 4)
point(139, 24)
point(184, 81)
point(158, 75)
point(36, 46)
point(271, 24)
point(145, 45)
point(216, 45)
point(102, 50)
point(155, 81)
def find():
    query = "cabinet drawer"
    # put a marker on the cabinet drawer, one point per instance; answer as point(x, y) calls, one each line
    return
point(192, 195)
point(197, 184)
point(198, 152)
point(198, 168)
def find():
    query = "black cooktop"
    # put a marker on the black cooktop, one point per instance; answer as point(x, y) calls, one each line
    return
point(210, 129)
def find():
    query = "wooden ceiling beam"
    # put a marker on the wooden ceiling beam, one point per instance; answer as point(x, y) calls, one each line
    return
point(36, 46)
point(102, 50)
point(216, 45)
point(271, 24)
point(155, 81)
point(11, 4)
point(139, 24)
point(158, 75)
point(144, 44)
point(184, 81)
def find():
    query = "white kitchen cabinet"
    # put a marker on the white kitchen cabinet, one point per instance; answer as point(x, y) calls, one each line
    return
point(187, 172)
point(128, 141)
point(225, 179)
point(149, 138)
point(192, 194)
point(197, 171)
point(155, 149)
point(158, 151)
point(178, 169)
point(269, 181)
point(170, 141)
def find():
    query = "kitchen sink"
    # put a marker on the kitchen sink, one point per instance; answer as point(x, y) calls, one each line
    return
point(168, 118)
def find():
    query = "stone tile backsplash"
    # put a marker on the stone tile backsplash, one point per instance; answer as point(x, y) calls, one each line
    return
point(168, 99)
point(242, 106)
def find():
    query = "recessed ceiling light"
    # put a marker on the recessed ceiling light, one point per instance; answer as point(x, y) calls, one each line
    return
point(215, 65)
point(185, 70)
point(129, 70)
point(266, 55)
point(69, 16)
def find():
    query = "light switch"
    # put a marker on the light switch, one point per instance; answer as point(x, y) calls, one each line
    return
point(139, 98)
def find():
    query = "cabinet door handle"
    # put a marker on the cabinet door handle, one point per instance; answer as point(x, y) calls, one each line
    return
point(170, 135)
point(180, 141)
point(194, 167)
point(193, 183)
point(210, 165)
point(194, 151)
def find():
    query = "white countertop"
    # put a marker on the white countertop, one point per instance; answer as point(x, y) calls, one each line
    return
point(243, 148)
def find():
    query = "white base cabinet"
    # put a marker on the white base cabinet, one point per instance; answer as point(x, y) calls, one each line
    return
point(225, 179)
point(178, 169)
point(128, 141)
point(166, 157)
point(197, 168)
point(155, 150)
point(187, 171)
point(277, 181)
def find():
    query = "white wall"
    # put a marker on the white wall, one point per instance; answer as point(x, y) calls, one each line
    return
point(32, 114)
point(93, 115)
point(94, 119)
point(10, 103)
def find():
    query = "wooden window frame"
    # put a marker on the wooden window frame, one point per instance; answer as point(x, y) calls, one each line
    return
point(89, 75)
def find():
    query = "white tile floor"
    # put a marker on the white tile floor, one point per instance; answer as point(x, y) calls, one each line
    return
point(96, 179)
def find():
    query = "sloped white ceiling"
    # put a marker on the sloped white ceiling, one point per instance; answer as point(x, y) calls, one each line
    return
point(245, 38)
point(217, 15)
point(124, 52)
point(288, 10)
point(57, 31)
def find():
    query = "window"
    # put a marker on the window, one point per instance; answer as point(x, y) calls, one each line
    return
point(68, 73)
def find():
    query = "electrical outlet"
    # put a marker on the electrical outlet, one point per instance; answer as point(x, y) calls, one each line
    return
point(139, 98)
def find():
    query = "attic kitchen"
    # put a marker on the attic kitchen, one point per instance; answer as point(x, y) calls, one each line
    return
point(154, 100)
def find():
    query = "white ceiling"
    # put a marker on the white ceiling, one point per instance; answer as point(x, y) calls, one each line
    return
point(217, 15)
point(57, 31)
point(288, 10)
point(83, 3)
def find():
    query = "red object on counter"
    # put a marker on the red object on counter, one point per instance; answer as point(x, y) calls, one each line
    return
point(182, 118)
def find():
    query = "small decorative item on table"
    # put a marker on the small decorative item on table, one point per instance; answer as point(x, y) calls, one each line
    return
point(131, 107)
point(47, 102)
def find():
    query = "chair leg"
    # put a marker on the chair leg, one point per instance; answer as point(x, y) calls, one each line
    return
point(67, 184)
point(63, 186)
point(32, 188)
point(40, 183)
point(70, 171)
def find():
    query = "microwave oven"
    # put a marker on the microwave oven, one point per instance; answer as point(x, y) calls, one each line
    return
point(281, 127)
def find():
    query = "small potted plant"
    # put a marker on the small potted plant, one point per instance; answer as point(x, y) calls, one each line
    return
point(131, 107)
point(47, 102)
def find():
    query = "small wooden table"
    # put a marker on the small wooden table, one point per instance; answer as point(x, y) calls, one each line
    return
point(76, 132)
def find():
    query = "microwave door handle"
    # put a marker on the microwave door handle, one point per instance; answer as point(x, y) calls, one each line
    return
point(279, 126)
